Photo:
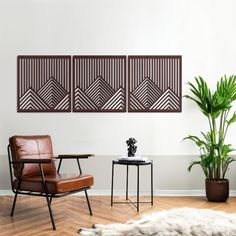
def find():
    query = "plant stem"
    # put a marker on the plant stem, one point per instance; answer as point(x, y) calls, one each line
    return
point(226, 130)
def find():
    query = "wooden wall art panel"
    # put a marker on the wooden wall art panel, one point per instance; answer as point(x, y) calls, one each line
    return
point(154, 83)
point(44, 83)
point(99, 83)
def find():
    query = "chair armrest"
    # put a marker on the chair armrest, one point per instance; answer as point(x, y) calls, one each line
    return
point(74, 156)
point(32, 161)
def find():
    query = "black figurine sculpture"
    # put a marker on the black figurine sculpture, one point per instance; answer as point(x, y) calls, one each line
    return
point(131, 147)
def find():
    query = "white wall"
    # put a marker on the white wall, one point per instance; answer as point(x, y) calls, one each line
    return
point(202, 31)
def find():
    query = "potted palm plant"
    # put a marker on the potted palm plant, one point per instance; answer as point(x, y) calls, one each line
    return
point(214, 157)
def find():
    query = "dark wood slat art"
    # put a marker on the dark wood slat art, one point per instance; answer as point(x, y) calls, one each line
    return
point(99, 83)
point(44, 83)
point(154, 83)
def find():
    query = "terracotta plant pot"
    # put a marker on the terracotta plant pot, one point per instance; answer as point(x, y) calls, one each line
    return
point(217, 190)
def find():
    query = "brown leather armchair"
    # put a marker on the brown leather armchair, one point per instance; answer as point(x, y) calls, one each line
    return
point(32, 162)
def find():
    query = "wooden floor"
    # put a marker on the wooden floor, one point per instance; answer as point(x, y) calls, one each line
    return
point(71, 213)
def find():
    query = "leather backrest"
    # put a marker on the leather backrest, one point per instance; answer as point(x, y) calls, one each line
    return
point(23, 147)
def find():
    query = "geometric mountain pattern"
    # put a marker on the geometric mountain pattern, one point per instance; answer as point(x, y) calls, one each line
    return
point(44, 83)
point(99, 83)
point(154, 83)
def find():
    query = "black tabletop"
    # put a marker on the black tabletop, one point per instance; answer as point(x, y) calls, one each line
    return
point(125, 162)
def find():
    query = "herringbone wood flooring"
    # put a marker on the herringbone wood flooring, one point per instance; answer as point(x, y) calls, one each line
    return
point(71, 213)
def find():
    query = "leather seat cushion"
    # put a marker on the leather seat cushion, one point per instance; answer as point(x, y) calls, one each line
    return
point(56, 183)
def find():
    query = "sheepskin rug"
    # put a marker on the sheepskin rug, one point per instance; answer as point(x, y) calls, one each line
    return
point(175, 222)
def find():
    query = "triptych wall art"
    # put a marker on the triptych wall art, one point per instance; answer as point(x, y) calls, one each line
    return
point(99, 83)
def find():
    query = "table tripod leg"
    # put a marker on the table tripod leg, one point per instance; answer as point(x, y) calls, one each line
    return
point(152, 184)
point(127, 182)
point(112, 181)
point(137, 188)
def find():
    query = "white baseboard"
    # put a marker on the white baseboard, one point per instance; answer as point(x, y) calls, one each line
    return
point(6, 193)
point(168, 193)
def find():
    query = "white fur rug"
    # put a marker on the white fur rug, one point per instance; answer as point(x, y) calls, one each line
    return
point(175, 222)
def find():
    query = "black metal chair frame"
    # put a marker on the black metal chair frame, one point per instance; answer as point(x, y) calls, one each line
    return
point(45, 194)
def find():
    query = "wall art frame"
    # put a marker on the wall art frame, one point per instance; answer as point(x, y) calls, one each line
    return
point(99, 83)
point(154, 83)
point(43, 83)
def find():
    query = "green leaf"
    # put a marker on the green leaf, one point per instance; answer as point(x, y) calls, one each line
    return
point(196, 140)
point(192, 164)
point(232, 119)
